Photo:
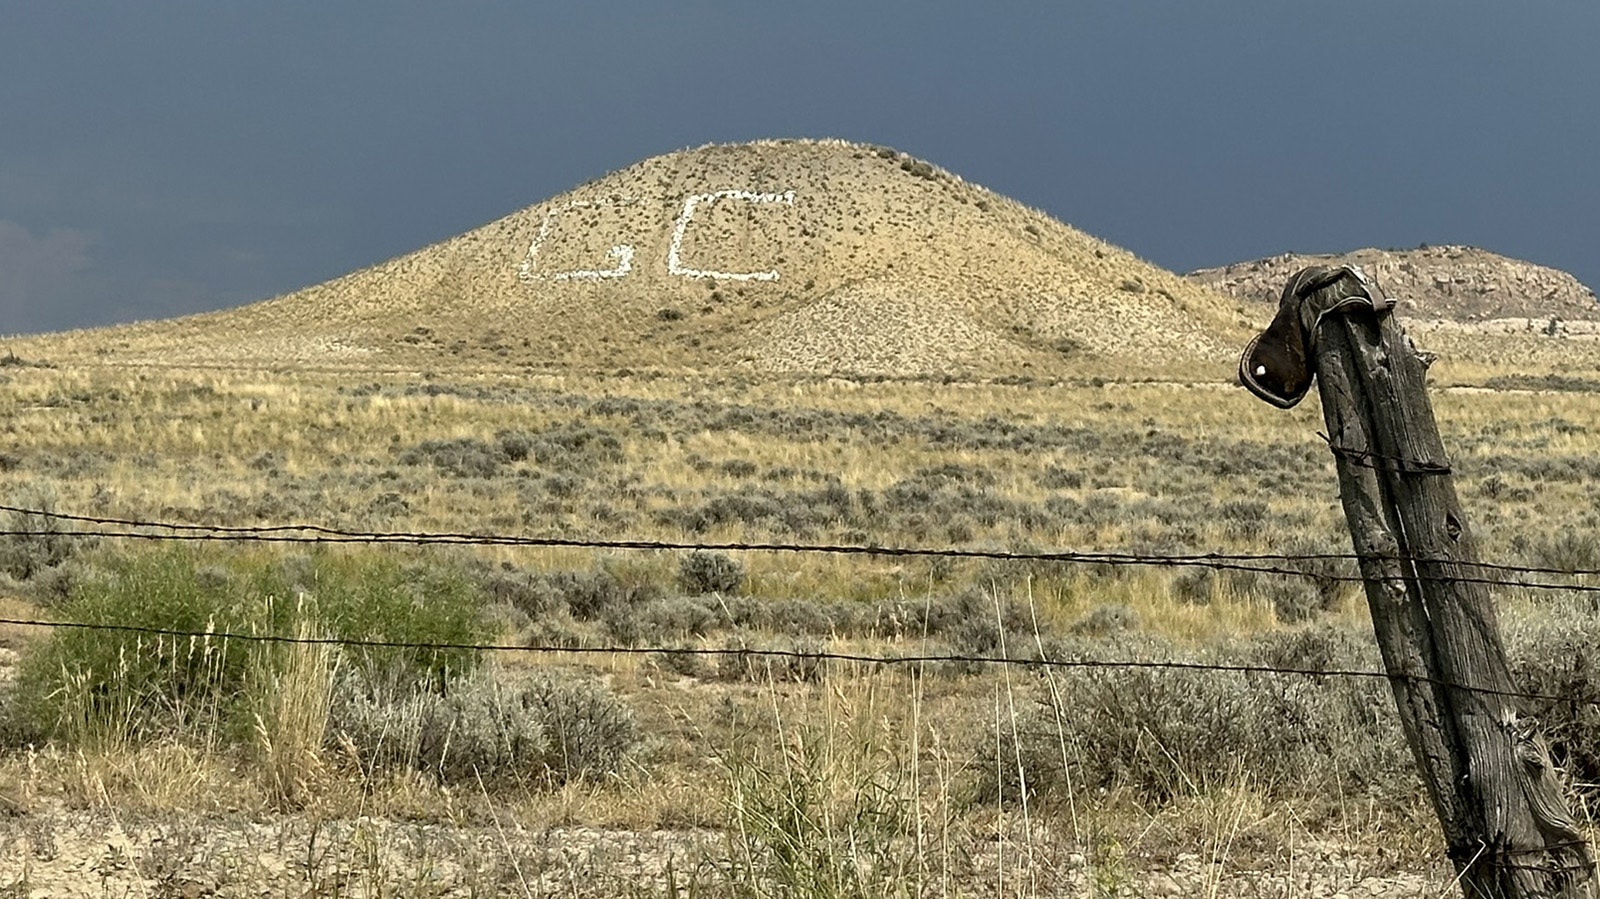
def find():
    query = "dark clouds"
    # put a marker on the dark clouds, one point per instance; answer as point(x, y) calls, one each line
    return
point(164, 158)
point(40, 272)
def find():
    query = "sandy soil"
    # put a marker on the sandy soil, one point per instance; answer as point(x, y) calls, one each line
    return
point(59, 852)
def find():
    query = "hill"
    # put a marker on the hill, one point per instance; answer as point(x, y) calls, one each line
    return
point(1448, 283)
point(776, 256)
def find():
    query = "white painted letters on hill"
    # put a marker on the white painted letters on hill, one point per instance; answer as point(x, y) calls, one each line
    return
point(623, 252)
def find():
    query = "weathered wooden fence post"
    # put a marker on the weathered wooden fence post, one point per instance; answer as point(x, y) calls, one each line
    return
point(1485, 765)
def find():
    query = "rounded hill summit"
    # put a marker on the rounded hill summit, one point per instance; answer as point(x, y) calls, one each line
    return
point(774, 256)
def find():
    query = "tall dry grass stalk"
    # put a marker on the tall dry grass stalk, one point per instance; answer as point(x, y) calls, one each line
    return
point(292, 691)
point(115, 708)
point(839, 807)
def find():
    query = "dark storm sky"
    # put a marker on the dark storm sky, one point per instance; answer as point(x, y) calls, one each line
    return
point(160, 157)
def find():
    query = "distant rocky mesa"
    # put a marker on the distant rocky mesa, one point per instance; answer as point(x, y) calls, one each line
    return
point(1450, 286)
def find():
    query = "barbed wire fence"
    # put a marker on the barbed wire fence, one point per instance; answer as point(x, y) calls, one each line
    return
point(109, 527)
point(90, 527)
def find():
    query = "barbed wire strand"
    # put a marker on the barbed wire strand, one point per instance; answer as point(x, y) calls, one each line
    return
point(1376, 461)
point(320, 534)
point(871, 549)
point(798, 654)
point(447, 536)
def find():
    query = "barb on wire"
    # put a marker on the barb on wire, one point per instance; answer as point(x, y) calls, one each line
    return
point(1377, 461)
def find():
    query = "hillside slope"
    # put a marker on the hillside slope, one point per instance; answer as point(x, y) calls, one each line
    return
point(778, 256)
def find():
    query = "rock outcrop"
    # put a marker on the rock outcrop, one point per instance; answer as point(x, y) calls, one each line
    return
point(1451, 283)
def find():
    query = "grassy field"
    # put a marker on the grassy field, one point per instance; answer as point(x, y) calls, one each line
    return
point(229, 768)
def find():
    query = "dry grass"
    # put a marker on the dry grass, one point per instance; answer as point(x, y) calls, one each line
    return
point(858, 789)
point(293, 695)
point(1169, 466)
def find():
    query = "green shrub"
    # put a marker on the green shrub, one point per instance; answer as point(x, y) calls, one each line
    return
point(378, 597)
point(89, 684)
point(92, 685)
